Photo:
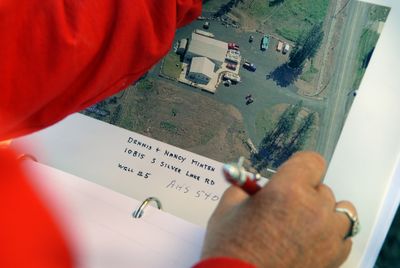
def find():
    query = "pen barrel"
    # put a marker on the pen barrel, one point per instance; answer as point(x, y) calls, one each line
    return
point(240, 178)
point(250, 186)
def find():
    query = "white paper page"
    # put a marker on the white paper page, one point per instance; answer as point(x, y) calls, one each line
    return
point(105, 233)
point(365, 165)
point(188, 184)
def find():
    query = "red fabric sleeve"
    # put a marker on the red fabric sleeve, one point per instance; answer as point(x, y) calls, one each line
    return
point(58, 57)
point(29, 236)
point(223, 262)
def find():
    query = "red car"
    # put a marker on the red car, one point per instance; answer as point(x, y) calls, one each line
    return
point(233, 46)
point(231, 66)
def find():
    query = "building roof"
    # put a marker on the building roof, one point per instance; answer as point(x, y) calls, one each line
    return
point(208, 47)
point(204, 33)
point(183, 43)
point(202, 65)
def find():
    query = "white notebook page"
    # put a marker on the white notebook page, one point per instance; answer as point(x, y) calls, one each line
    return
point(104, 232)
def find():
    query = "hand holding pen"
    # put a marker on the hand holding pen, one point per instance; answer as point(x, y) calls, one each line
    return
point(291, 222)
point(236, 174)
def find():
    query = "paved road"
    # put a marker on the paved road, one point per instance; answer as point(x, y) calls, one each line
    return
point(341, 83)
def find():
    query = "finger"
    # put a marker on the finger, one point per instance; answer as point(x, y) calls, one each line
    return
point(347, 245)
point(232, 197)
point(304, 167)
point(327, 195)
point(343, 222)
point(344, 252)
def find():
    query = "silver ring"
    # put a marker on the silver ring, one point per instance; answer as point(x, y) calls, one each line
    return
point(354, 222)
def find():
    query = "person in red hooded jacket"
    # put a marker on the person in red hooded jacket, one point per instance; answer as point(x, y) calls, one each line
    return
point(59, 57)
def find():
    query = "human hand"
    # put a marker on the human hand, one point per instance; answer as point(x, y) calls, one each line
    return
point(291, 222)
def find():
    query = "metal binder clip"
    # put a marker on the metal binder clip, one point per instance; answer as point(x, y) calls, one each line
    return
point(139, 212)
point(26, 157)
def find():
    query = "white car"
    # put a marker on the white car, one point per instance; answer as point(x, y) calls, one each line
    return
point(235, 52)
point(232, 76)
point(286, 48)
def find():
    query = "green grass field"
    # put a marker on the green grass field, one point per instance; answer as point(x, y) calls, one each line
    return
point(378, 13)
point(309, 72)
point(290, 19)
point(169, 126)
point(368, 42)
point(172, 65)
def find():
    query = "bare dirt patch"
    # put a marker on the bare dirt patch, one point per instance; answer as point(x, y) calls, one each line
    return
point(183, 118)
point(247, 22)
point(304, 88)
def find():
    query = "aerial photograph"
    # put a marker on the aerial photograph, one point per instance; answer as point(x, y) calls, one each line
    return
point(259, 79)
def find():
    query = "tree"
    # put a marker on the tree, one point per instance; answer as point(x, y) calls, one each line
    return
point(307, 47)
point(113, 100)
point(286, 122)
point(116, 115)
point(274, 141)
point(367, 58)
point(297, 141)
point(226, 8)
point(275, 2)
point(284, 139)
point(303, 130)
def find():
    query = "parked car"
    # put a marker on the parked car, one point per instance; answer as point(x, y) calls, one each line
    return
point(227, 83)
point(265, 42)
point(251, 38)
point(233, 51)
point(279, 46)
point(233, 58)
point(233, 46)
point(231, 66)
point(249, 66)
point(206, 25)
point(286, 48)
point(249, 101)
point(234, 78)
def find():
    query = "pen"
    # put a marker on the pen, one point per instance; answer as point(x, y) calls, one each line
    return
point(236, 174)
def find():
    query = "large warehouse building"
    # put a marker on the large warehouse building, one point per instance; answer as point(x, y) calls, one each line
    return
point(203, 46)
